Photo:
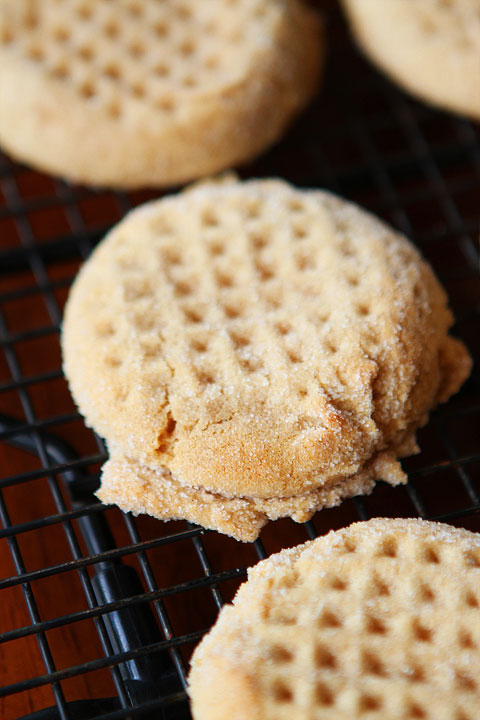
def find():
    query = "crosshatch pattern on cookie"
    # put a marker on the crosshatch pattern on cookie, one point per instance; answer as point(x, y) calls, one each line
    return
point(162, 92)
point(248, 285)
point(378, 621)
point(145, 52)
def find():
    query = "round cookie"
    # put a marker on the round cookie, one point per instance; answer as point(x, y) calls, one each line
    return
point(431, 47)
point(139, 92)
point(257, 342)
point(379, 620)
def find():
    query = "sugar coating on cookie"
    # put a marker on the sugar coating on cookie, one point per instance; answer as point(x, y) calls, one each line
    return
point(260, 343)
point(431, 47)
point(138, 92)
point(135, 487)
point(379, 620)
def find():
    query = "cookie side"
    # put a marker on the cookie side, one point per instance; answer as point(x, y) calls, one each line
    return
point(139, 489)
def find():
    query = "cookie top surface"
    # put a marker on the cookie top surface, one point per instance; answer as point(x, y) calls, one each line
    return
point(257, 340)
point(120, 51)
point(378, 620)
point(432, 47)
point(191, 78)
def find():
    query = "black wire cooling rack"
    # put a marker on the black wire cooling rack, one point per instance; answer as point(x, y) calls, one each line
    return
point(99, 611)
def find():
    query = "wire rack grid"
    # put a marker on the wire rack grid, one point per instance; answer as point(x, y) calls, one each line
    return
point(100, 611)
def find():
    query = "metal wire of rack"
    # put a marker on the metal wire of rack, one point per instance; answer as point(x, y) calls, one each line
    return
point(108, 607)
